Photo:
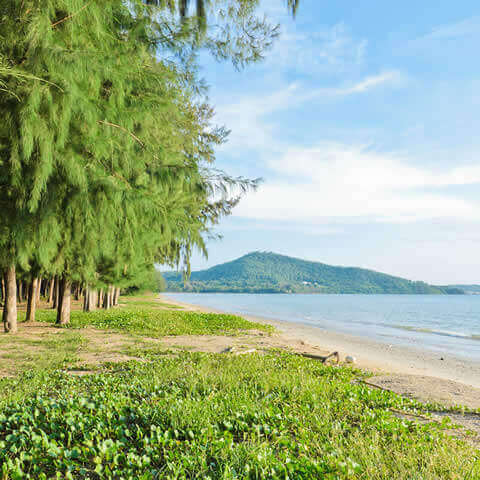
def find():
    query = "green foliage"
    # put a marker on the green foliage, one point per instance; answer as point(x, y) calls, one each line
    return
point(41, 353)
point(151, 281)
point(466, 289)
point(157, 323)
point(107, 160)
point(216, 416)
point(261, 272)
point(147, 301)
point(220, 417)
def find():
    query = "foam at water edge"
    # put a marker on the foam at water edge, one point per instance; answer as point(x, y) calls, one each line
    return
point(445, 333)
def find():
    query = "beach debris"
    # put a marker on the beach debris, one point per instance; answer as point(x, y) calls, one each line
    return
point(350, 359)
point(322, 358)
point(244, 352)
point(233, 350)
point(228, 349)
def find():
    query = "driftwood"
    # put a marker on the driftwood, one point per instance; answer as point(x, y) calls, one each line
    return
point(374, 385)
point(234, 351)
point(322, 358)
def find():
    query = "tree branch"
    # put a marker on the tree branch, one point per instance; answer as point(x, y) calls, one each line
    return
point(123, 129)
point(70, 16)
point(114, 125)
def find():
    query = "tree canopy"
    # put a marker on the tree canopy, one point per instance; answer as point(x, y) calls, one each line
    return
point(107, 145)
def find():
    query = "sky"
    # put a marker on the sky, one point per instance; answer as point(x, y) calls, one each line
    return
point(363, 123)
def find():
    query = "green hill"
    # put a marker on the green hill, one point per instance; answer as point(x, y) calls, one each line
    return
point(467, 289)
point(263, 272)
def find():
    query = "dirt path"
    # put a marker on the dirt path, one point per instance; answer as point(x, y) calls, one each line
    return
point(43, 345)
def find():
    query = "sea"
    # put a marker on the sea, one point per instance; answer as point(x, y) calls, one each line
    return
point(448, 324)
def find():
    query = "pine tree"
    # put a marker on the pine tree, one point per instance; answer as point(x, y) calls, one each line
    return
point(106, 159)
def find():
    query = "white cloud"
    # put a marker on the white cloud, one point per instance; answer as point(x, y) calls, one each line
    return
point(464, 28)
point(328, 50)
point(451, 40)
point(340, 181)
point(246, 117)
point(295, 94)
point(392, 77)
point(301, 228)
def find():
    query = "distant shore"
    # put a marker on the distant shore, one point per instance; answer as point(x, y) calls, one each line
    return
point(449, 380)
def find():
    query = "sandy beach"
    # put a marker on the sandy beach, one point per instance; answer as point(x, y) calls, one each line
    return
point(417, 373)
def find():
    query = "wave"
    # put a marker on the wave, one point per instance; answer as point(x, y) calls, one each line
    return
point(445, 333)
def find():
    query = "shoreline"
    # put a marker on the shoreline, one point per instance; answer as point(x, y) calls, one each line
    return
point(460, 377)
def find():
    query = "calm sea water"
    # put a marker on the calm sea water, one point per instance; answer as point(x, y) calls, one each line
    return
point(442, 323)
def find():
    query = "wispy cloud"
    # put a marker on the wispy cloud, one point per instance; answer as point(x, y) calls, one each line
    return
point(249, 118)
point(331, 49)
point(348, 181)
point(284, 226)
point(371, 82)
point(463, 28)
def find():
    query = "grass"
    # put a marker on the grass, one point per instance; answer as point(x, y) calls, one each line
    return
point(219, 417)
point(209, 416)
point(155, 322)
point(45, 352)
point(148, 301)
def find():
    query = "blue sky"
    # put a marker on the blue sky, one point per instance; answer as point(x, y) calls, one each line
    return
point(363, 121)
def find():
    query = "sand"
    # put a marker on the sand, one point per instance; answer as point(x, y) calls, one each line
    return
point(419, 374)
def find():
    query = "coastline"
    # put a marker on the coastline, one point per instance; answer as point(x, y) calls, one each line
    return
point(421, 373)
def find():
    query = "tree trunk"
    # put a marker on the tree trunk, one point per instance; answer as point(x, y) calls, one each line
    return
point(100, 299)
point(116, 296)
point(106, 299)
point(39, 289)
point(32, 300)
point(89, 304)
point(19, 291)
point(50, 290)
point(64, 302)
point(3, 287)
point(93, 300)
point(86, 300)
point(56, 292)
point(10, 303)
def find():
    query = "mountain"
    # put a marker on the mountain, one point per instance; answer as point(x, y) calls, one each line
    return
point(467, 289)
point(265, 272)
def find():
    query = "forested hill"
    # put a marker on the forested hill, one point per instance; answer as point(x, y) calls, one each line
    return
point(261, 272)
point(467, 289)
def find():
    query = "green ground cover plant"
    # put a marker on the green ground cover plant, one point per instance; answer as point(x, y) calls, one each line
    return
point(208, 416)
point(151, 321)
point(46, 352)
point(147, 301)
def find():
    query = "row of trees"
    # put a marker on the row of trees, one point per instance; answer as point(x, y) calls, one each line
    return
point(107, 142)
point(32, 290)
